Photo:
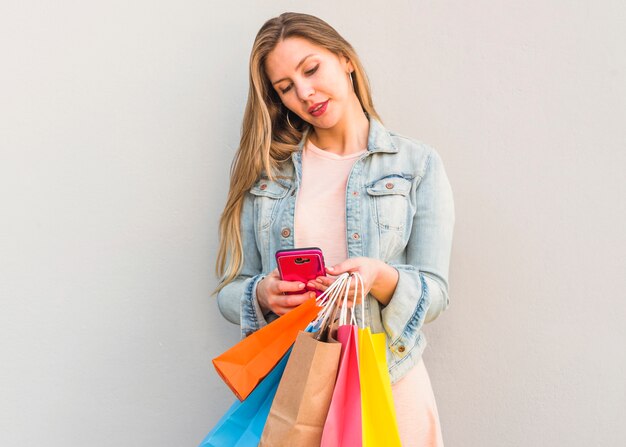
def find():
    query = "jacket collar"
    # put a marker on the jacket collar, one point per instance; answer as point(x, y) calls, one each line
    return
point(379, 139)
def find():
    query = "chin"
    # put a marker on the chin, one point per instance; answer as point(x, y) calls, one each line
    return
point(326, 122)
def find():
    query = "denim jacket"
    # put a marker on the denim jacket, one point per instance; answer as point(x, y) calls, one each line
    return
point(399, 209)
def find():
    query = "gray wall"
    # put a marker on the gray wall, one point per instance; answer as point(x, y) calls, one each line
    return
point(118, 122)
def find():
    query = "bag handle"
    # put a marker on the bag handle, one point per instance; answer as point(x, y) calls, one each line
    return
point(358, 282)
point(336, 293)
point(328, 299)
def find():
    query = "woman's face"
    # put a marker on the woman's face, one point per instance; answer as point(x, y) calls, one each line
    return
point(311, 81)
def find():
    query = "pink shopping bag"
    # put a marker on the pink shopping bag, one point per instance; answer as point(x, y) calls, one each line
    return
point(343, 423)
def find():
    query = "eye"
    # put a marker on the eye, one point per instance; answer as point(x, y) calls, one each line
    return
point(312, 70)
point(308, 73)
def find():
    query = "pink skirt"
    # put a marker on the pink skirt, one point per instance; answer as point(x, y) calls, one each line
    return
point(416, 409)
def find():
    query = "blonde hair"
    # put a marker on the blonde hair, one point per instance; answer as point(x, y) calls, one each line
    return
point(267, 138)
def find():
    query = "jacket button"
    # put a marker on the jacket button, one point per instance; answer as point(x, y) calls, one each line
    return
point(263, 186)
point(401, 348)
point(285, 232)
point(389, 185)
point(355, 236)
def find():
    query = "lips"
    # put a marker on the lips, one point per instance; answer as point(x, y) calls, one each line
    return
point(319, 108)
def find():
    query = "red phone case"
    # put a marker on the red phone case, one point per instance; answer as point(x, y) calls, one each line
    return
point(300, 264)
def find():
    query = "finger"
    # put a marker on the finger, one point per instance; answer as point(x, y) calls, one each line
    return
point(289, 286)
point(351, 302)
point(314, 285)
point(321, 282)
point(325, 280)
point(291, 301)
point(346, 266)
point(281, 304)
point(356, 293)
point(280, 311)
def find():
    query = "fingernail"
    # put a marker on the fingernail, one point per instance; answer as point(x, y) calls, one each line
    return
point(330, 268)
point(312, 295)
point(301, 286)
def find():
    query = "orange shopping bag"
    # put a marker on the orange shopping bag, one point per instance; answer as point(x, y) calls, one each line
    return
point(244, 365)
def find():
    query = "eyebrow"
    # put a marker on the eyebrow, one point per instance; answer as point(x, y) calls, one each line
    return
point(297, 66)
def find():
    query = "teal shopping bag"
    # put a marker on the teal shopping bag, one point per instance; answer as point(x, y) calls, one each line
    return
point(243, 423)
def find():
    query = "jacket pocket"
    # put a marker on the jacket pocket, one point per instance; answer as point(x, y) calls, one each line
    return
point(390, 197)
point(267, 195)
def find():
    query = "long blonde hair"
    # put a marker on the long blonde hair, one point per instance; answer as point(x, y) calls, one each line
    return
point(267, 138)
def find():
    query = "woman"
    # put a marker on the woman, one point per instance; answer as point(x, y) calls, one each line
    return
point(315, 167)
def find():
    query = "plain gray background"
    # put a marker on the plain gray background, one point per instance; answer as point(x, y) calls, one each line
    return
point(118, 123)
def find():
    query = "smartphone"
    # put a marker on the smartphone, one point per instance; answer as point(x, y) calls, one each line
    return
point(301, 264)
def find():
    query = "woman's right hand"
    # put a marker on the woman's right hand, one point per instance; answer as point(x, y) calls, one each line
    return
point(270, 294)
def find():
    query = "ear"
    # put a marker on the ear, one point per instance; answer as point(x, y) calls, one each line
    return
point(348, 65)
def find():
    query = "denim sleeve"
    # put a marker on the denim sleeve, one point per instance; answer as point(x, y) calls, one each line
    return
point(422, 290)
point(237, 301)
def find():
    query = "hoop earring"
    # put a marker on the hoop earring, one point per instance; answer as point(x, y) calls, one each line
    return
point(289, 122)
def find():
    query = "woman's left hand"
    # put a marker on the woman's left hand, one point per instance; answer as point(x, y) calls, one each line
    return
point(379, 278)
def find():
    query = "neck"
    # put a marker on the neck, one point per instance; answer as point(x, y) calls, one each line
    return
point(348, 136)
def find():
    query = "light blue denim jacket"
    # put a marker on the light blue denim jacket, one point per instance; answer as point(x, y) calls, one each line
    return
point(399, 209)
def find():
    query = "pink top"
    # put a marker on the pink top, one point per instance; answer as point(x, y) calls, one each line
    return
point(320, 221)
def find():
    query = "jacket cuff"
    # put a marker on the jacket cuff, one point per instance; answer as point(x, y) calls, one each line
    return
point(252, 318)
point(406, 312)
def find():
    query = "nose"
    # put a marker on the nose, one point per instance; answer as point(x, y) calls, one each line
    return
point(304, 90)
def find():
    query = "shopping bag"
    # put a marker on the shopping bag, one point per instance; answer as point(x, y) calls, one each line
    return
point(377, 408)
point(301, 403)
point(378, 413)
point(343, 422)
point(243, 423)
point(244, 365)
